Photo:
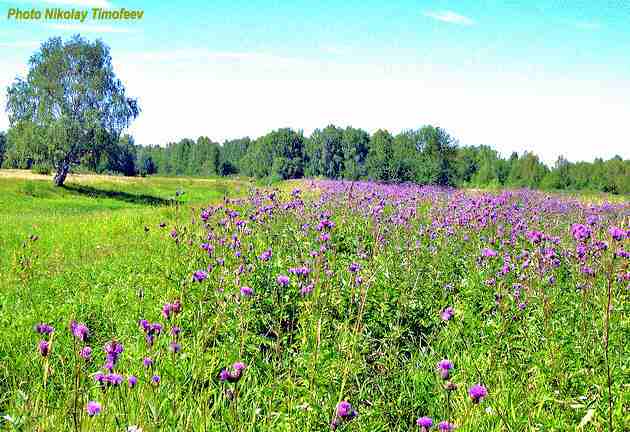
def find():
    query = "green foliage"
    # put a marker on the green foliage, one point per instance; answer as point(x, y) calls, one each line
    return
point(71, 103)
point(102, 258)
point(528, 171)
point(42, 168)
point(231, 154)
point(3, 148)
point(428, 155)
point(355, 145)
point(324, 155)
point(379, 163)
point(279, 153)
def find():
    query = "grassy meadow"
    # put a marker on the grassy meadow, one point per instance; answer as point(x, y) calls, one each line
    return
point(217, 305)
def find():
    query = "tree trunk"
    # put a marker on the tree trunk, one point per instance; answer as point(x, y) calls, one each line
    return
point(62, 173)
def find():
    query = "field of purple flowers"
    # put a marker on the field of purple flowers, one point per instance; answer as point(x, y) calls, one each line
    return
point(328, 305)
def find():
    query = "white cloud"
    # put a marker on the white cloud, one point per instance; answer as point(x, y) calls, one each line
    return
point(86, 28)
point(449, 17)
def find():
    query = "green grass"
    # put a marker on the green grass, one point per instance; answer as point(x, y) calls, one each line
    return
point(98, 246)
point(102, 258)
point(95, 210)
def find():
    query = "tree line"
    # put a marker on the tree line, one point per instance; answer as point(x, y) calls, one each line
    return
point(71, 111)
point(428, 155)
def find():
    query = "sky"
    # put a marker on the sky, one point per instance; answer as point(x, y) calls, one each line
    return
point(552, 76)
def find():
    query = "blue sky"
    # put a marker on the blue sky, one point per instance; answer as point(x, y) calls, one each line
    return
point(548, 76)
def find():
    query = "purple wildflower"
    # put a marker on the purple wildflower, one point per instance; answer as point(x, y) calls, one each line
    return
point(176, 306)
point(205, 214)
point(477, 392)
point(167, 309)
point(425, 423)
point(79, 330)
point(113, 349)
point(86, 353)
point(300, 271)
point(283, 280)
point(99, 377)
point(199, 276)
point(580, 232)
point(444, 367)
point(265, 255)
point(224, 375)
point(488, 253)
point(174, 347)
point(44, 329)
point(44, 348)
point(147, 362)
point(305, 290)
point(235, 374)
point(535, 236)
point(345, 410)
point(114, 379)
point(617, 233)
point(93, 408)
point(132, 381)
point(445, 426)
point(247, 291)
point(155, 379)
point(447, 313)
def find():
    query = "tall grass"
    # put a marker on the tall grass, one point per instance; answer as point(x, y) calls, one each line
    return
point(351, 306)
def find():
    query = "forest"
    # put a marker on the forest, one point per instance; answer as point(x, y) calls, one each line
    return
point(428, 155)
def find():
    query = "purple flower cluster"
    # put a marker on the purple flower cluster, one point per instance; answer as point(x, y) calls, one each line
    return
point(447, 313)
point(477, 392)
point(112, 349)
point(108, 379)
point(581, 232)
point(343, 412)
point(79, 330)
point(233, 375)
point(300, 271)
point(44, 345)
point(444, 368)
point(199, 276)
point(93, 408)
point(266, 255)
point(151, 330)
point(44, 329)
point(283, 280)
point(488, 253)
point(171, 309)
